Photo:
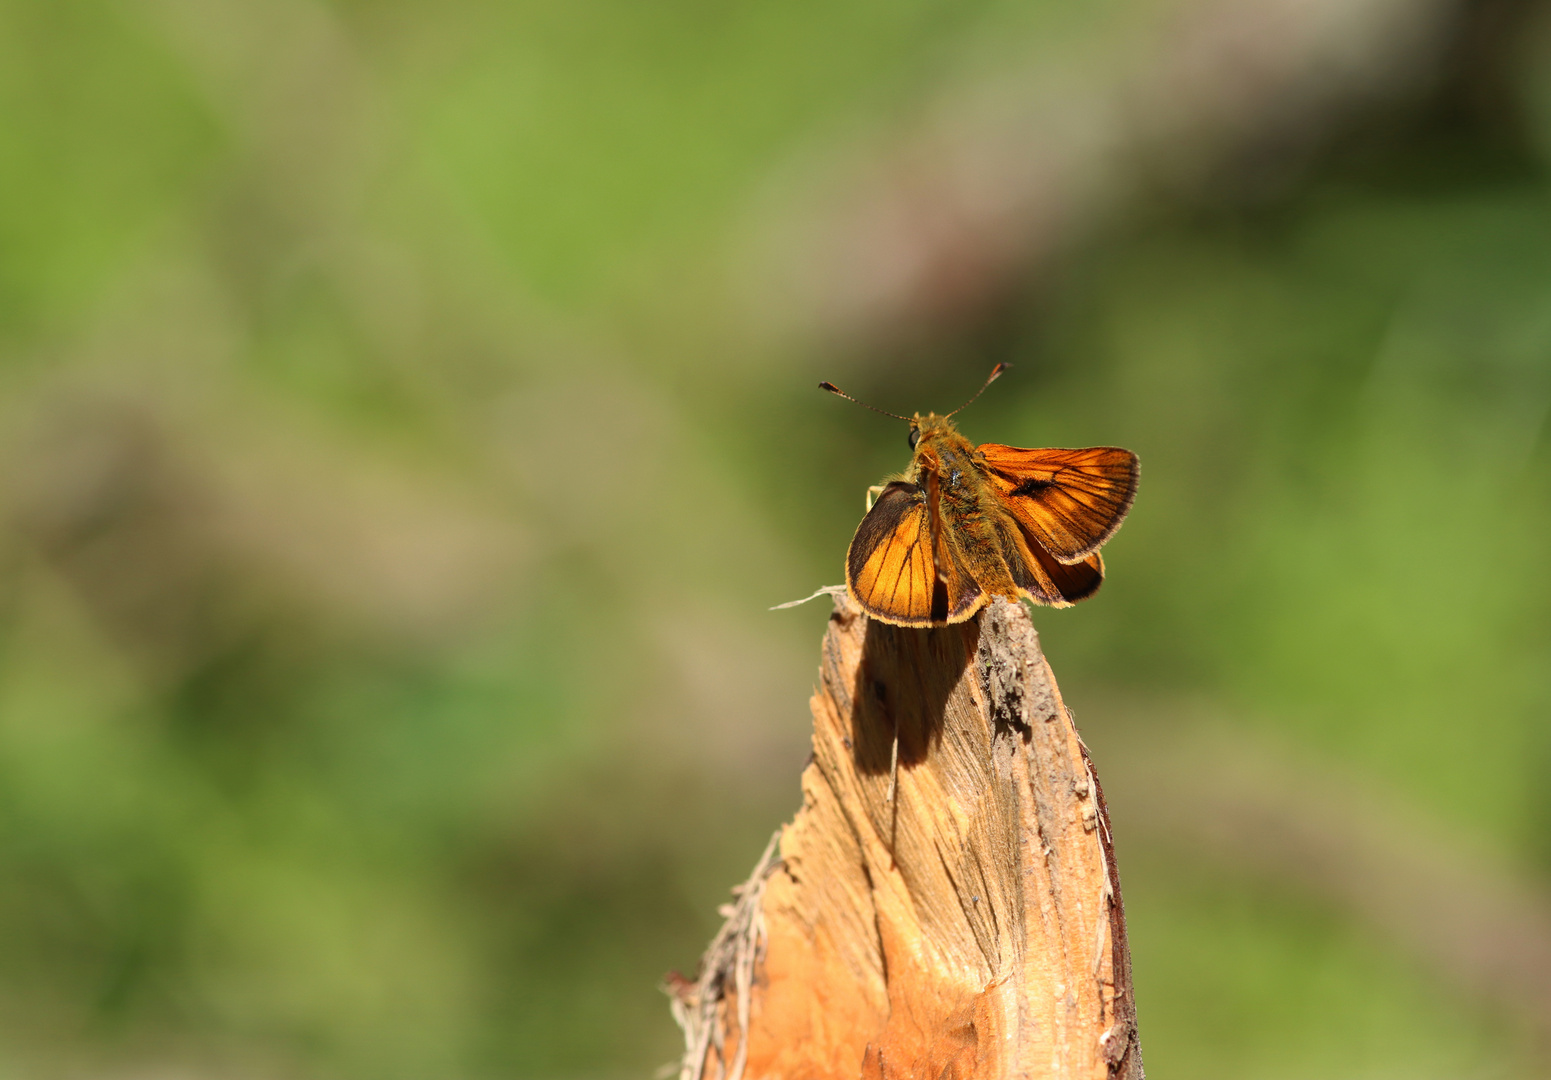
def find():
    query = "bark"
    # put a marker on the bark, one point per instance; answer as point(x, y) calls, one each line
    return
point(952, 911)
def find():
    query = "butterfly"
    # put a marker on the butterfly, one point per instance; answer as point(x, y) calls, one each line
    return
point(965, 523)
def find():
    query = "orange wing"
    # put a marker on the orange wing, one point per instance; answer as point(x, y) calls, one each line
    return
point(1041, 577)
point(1066, 501)
point(892, 565)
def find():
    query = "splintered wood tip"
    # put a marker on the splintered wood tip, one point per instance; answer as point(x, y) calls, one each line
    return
point(951, 865)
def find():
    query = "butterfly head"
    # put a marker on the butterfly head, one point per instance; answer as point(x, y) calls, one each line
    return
point(929, 427)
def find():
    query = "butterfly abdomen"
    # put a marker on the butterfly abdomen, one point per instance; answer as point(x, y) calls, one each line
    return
point(965, 503)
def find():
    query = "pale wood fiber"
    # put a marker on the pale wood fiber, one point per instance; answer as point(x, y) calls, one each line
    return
point(969, 927)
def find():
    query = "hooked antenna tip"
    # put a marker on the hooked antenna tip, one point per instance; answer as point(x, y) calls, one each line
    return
point(991, 378)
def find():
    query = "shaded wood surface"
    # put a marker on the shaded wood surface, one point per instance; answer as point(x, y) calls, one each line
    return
point(962, 919)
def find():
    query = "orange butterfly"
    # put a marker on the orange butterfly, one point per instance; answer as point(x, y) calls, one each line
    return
point(966, 523)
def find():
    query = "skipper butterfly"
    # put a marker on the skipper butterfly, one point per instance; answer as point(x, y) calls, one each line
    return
point(965, 523)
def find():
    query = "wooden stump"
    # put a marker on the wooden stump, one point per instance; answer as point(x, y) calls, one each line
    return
point(958, 915)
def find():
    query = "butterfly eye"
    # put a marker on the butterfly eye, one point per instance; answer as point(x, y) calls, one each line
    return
point(915, 437)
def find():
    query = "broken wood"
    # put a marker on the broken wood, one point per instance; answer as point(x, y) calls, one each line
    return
point(959, 919)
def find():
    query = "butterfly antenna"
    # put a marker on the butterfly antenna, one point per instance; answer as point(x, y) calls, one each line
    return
point(833, 389)
point(991, 378)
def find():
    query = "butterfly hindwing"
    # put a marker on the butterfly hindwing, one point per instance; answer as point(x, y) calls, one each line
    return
point(1068, 502)
point(1043, 578)
point(1071, 581)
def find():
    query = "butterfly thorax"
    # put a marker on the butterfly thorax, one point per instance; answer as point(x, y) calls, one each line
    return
point(948, 468)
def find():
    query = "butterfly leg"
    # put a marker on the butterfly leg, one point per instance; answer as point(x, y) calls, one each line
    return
point(873, 493)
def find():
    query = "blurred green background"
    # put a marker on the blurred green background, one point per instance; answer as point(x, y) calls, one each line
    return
point(408, 416)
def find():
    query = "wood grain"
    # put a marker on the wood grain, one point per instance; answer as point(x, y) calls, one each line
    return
point(969, 926)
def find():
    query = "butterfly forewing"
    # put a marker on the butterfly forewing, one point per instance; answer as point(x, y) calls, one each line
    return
point(889, 566)
point(892, 568)
point(1066, 501)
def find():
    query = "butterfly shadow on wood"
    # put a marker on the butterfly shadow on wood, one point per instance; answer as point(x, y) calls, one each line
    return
point(903, 686)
